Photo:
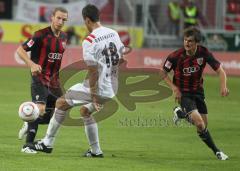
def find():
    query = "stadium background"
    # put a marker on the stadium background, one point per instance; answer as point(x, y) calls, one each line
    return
point(140, 139)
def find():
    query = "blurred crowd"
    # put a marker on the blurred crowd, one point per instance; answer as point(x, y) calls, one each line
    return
point(185, 13)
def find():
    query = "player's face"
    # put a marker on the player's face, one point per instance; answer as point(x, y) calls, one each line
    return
point(190, 44)
point(59, 19)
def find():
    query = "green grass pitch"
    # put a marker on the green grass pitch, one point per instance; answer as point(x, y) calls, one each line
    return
point(127, 143)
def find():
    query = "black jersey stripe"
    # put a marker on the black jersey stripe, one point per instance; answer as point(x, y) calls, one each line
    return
point(48, 51)
point(54, 69)
point(192, 79)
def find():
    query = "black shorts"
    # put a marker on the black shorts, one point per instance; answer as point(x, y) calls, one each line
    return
point(43, 94)
point(190, 102)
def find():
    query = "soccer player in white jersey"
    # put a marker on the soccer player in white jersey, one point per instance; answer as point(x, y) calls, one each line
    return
point(102, 55)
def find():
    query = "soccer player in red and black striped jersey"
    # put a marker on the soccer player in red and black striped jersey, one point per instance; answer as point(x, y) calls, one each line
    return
point(188, 64)
point(47, 47)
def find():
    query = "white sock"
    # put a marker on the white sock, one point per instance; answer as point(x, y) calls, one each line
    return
point(91, 130)
point(53, 127)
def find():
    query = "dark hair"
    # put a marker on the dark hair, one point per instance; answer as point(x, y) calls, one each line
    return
point(64, 10)
point(90, 11)
point(193, 31)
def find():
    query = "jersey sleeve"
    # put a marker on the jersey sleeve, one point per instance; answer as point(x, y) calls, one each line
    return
point(212, 61)
point(168, 64)
point(32, 42)
point(89, 54)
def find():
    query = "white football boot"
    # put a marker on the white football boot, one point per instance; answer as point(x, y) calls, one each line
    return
point(28, 150)
point(221, 156)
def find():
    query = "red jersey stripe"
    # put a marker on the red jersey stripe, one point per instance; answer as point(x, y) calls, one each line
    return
point(88, 40)
point(91, 35)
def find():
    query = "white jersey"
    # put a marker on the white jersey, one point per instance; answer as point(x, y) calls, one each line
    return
point(103, 48)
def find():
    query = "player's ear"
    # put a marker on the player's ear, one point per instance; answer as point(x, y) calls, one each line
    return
point(52, 17)
point(87, 20)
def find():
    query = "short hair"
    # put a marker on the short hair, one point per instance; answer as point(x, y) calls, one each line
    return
point(64, 10)
point(193, 31)
point(92, 12)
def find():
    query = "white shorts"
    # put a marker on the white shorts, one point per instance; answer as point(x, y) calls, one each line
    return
point(79, 94)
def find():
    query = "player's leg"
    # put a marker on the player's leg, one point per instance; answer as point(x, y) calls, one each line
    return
point(53, 95)
point(63, 104)
point(91, 130)
point(190, 106)
point(187, 105)
point(205, 134)
point(46, 144)
point(39, 94)
point(204, 118)
point(178, 114)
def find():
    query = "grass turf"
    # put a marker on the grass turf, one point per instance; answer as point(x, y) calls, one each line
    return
point(144, 139)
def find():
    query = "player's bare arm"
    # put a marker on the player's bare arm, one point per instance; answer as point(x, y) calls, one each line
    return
point(93, 78)
point(35, 68)
point(122, 60)
point(223, 81)
point(175, 90)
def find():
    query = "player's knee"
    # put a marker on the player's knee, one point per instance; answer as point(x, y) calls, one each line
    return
point(200, 125)
point(62, 104)
point(42, 108)
point(84, 112)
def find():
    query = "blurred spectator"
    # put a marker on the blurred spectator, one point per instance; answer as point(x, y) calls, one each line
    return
point(65, 1)
point(192, 14)
point(6, 9)
point(174, 13)
point(1, 33)
point(73, 37)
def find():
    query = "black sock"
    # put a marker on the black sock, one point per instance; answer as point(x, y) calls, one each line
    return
point(181, 114)
point(46, 117)
point(32, 131)
point(206, 137)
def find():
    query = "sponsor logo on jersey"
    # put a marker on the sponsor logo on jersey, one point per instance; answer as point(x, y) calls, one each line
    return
point(54, 56)
point(189, 70)
point(200, 61)
point(30, 43)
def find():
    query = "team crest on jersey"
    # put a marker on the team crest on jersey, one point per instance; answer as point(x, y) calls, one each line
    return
point(200, 61)
point(64, 45)
point(30, 43)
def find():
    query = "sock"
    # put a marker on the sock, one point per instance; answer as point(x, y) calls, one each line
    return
point(181, 114)
point(46, 117)
point(206, 137)
point(91, 130)
point(32, 131)
point(53, 126)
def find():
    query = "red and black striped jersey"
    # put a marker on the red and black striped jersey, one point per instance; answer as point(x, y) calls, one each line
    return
point(47, 51)
point(188, 70)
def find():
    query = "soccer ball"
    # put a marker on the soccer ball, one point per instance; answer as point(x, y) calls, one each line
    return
point(28, 111)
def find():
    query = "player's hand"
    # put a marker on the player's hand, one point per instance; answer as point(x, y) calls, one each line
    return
point(224, 91)
point(98, 106)
point(35, 69)
point(177, 94)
